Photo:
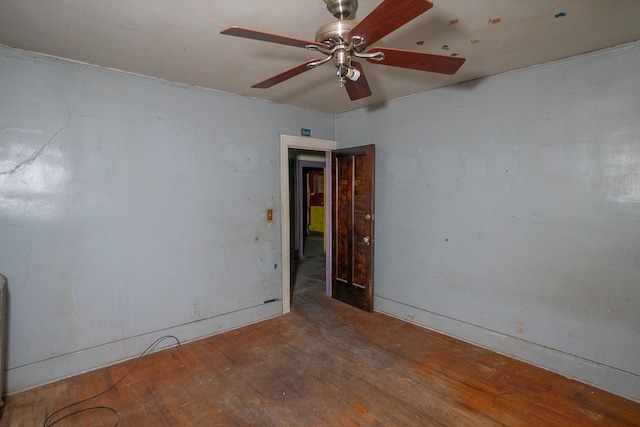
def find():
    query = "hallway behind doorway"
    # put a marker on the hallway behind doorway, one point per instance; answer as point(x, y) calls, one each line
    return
point(309, 272)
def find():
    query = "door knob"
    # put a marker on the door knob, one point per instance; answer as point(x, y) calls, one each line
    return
point(366, 240)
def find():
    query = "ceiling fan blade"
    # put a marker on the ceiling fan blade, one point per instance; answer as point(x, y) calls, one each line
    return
point(418, 60)
point(285, 75)
point(248, 33)
point(360, 88)
point(387, 17)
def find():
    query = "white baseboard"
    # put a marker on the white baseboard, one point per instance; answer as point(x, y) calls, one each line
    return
point(71, 364)
point(613, 380)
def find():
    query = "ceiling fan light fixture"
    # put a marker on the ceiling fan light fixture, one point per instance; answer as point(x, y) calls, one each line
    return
point(344, 68)
point(345, 72)
point(352, 74)
point(345, 41)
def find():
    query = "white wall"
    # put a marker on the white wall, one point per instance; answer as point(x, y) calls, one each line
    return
point(508, 213)
point(124, 201)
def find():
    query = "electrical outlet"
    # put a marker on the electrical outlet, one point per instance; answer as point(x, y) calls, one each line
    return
point(410, 318)
point(520, 326)
point(196, 309)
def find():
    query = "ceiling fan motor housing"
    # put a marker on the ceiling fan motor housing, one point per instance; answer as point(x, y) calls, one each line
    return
point(336, 30)
point(341, 8)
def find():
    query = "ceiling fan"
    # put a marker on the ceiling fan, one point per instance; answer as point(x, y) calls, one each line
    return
point(344, 40)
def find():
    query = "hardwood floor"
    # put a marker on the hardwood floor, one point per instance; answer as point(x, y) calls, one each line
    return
point(326, 364)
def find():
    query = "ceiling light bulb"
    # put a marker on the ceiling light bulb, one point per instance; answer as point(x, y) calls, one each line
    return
point(353, 74)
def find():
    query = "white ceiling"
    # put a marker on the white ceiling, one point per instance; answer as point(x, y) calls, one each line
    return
point(180, 41)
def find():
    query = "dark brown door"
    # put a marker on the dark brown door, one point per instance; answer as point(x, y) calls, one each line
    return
point(352, 235)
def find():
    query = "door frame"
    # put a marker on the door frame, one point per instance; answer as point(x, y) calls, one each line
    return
point(303, 143)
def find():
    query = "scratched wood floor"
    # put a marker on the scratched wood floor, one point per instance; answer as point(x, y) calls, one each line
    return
point(326, 364)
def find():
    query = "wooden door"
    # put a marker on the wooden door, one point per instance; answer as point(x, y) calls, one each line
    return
point(352, 231)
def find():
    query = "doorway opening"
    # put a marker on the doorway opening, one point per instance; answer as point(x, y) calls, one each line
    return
point(307, 190)
point(308, 194)
point(292, 240)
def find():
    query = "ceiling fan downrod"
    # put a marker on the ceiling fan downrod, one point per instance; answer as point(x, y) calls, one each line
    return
point(341, 9)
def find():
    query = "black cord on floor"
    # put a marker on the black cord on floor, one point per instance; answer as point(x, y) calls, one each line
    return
point(55, 417)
